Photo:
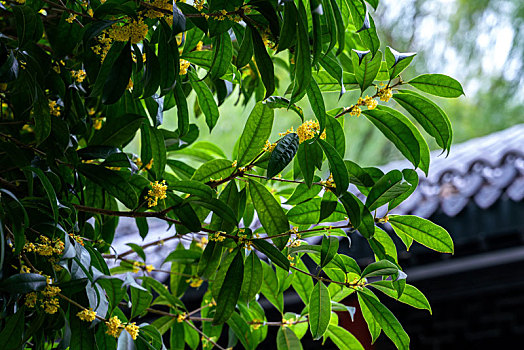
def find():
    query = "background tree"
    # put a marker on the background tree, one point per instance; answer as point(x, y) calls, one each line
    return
point(82, 82)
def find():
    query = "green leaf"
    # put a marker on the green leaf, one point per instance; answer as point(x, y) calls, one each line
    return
point(319, 310)
point(366, 66)
point(50, 191)
point(411, 177)
point(13, 329)
point(253, 277)
point(397, 61)
point(282, 102)
point(264, 63)
point(358, 214)
point(380, 268)
point(256, 132)
point(152, 73)
point(158, 150)
point(328, 205)
point(423, 145)
point(113, 289)
point(289, 26)
point(111, 181)
point(357, 175)
point(182, 110)
point(192, 187)
point(206, 101)
point(423, 231)
point(222, 55)
point(302, 193)
point(272, 253)
point(386, 189)
point(23, 283)
point(160, 289)
point(287, 339)
point(302, 283)
point(219, 208)
point(342, 338)
point(118, 78)
point(397, 132)
point(336, 167)
point(183, 256)
point(302, 75)
point(328, 83)
point(328, 250)
point(214, 169)
point(140, 299)
point(335, 135)
point(411, 295)
point(373, 326)
point(316, 101)
point(245, 52)
point(210, 259)
point(367, 30)
point(309, 156)
point(438, 85)
point(429, 115)
point(241, 330)
point(270, 213)
point(282, 154)
point(118, 130)
point(387, 321)
point(315, 6)
point(341, 28)
point(230, 290)
point(270, 288)
point(306, 213)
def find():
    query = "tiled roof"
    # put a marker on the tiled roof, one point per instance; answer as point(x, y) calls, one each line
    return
point(480, 170)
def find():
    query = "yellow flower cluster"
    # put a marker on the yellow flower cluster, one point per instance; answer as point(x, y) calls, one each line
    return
point(104, 45)
point(77, 238)
point(330, 182)
point(113, 327)
point(54, 109)
point(162, 4)
point(30, 299)
point(46, 248)
point(385, 94)
point(132, 329)
point(135, 31)
point(87, 315)
point(184, 65)
point(71, 18)
point(217, 236)
point(25, 269)
point(202, 243)
point(199, 4)
point(181, 317)
point(51, 291)
point(51, 306)
point(195, 281)
point(157, 191)
point(269, 147)
point(291, 260)
point(97, 123)
point(199, 46)
point(78, 75)
point(309, 130)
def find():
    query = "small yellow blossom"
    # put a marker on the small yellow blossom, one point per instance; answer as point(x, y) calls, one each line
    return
point(136, 267)
point(199, 4)
point(181, 317)
point(269, 147)
point(202, 243)
point(217, 236)
point(54, 109)
point(195, 281)
point(71, 18)
point(51, 306)
point(77, 238)
point(370, 102)
point(309, 130)
point(25, 269)
point(97, 123)
point(199, 46)
point(87, 315)
point(385, 94)
point(51, 291)
point(78, 75)
point(157, 191)
point(149, 165)
point(113, 327)
point(129, 86)
point(30, 299)
point(149, 268)
point(90, 12)
point(256, 323)
point(234, 164)
point(184, 65)
point(355, 111)
point(132, 329)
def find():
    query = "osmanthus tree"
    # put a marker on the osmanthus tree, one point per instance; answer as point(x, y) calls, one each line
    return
point(80, 80)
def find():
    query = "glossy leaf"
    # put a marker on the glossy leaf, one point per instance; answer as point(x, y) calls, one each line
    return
point(302, 58)
point(380, 268)
point(270, 212)
point(423, 231)
point(343, 339)
point(386, 189)
point(336, 167)
point(272, 253)
point(230, 290)
point(319, 310)
point(397, 61)
point(328, 250)
point(206, 101)
point(264, 63)
point(256, 132)
point(366, 67)
point(411, 295)
point(253, 277)
point(287, 339)
point(438, 85)
point(282, 154)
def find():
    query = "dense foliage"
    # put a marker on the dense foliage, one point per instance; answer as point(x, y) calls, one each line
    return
point(81, 80)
